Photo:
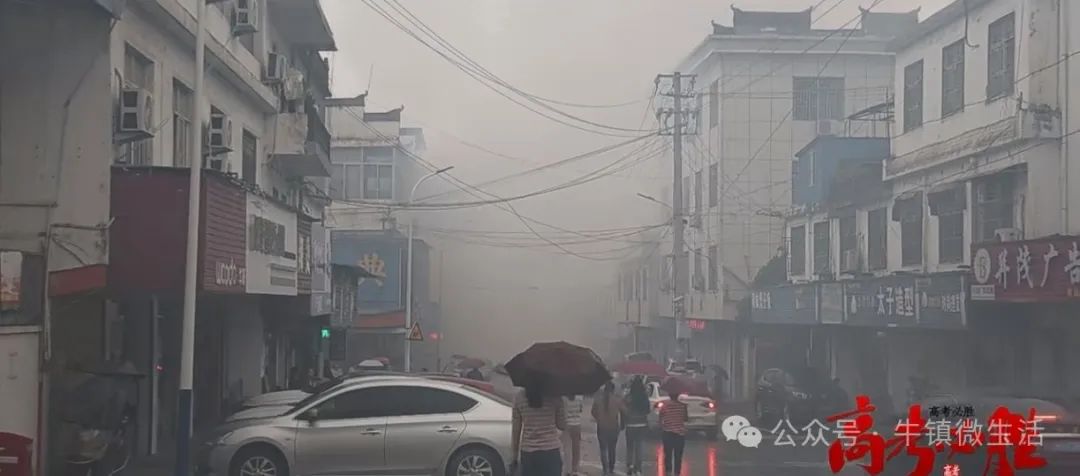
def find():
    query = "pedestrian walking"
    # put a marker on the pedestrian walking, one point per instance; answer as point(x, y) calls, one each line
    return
point(572, 435)
point(635, 418)
point(537, 421)
point(673, 417)
point(606, 409)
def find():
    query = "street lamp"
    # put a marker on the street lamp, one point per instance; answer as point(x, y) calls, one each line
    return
point(409, 281)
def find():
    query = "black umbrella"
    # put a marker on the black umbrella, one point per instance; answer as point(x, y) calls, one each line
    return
point(560, 367)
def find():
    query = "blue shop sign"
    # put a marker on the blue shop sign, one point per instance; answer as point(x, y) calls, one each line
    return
point(379, 254)
point(942, 301)
point(934, 301)
point(790, 304)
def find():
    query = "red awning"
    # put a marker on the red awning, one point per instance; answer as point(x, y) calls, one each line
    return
point(386, 320)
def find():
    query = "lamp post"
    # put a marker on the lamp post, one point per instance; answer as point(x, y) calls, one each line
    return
point(409, 265)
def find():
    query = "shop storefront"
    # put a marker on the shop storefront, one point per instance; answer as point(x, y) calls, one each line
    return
point(1026, 297)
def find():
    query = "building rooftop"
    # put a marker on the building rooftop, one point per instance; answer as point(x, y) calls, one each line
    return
point(773, 23)
point(953, 12)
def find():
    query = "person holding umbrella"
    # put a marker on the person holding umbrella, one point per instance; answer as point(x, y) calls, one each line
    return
point(538, 419)
point(548, 371)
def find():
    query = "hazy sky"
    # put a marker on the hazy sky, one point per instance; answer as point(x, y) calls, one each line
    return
point(593, 51)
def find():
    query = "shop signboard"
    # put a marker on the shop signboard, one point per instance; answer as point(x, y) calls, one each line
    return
point(321, 301)
point(942, 301)
point(788, 304)
point(831, 296)
point(224, 261)
point(379, 254)
point(1042, 270)
point(271, 247)
point(887, 301)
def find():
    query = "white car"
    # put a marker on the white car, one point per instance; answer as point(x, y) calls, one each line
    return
point(405, 425)
point(702, 411)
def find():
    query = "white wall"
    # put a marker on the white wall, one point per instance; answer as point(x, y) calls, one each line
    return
point(49, 153)
point(757, 99)
point(175, 59)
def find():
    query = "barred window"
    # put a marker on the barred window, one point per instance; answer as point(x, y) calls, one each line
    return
point(818, 99)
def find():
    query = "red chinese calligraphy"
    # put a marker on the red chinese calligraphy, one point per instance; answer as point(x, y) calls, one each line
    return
point(1013, 431)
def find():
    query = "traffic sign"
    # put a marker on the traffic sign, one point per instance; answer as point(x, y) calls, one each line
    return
point(415, 334)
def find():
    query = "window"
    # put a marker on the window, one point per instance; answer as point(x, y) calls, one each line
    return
point(822, 263)
point(371, 179)
point(909, 212)
point(362, 403)
point(877, 238)
point(948, 206)
point(993, 205)
point(1001, 57)
point(138, 72)
point(818, 99)
point(416, 400)
point(714, 104)
point(849, 244)
point(249, 151)
point(645, 284)
point(951, 237)
point(183, 112)
point(797, 250)
point(810, 166)
point(699, 271)
point(913, 96)
point(714, 185)
point(698, 193)
point(952, 78)
point(714, 268)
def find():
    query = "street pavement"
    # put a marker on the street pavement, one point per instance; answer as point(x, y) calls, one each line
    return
point(703, 457)
point(718, 458)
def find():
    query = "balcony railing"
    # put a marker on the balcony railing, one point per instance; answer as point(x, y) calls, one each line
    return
point(316, 130)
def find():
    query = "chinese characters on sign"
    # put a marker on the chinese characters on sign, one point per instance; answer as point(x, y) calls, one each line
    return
point(1035, 270)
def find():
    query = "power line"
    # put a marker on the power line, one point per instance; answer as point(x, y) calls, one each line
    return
point(477, 72)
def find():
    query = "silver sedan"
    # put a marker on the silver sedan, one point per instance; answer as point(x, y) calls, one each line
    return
point(399, 426)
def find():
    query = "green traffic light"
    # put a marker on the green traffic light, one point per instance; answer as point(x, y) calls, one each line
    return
point(325, 333)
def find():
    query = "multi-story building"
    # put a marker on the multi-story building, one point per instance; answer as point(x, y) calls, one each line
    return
point(121, 267)
point(983, 177)
point(376, 164)
point(947, 259)
point(54, 182)
point(765, 87)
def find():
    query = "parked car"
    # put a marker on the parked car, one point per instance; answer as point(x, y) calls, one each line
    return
point(291, 397)
point(798, 397)
point(407, 425)
point(701, 409)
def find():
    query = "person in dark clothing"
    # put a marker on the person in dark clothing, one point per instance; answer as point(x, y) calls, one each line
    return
point(635, 419)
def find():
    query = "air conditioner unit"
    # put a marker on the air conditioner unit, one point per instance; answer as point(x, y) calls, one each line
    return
point(245, 17)
point(136, 110)
point(276, 67)
point(849, 261)
point(219, 133)
point(828, 128)
point(1008, 234)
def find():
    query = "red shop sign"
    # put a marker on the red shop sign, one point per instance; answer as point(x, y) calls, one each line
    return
point(15, 454)
point(1046, 269)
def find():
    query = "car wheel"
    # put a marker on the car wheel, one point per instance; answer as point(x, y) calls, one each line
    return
point(475, 462)
point(257, 461)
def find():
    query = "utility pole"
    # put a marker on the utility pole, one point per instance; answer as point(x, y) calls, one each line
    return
point(409, 275)
point(185, 400)
point(677, 117)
